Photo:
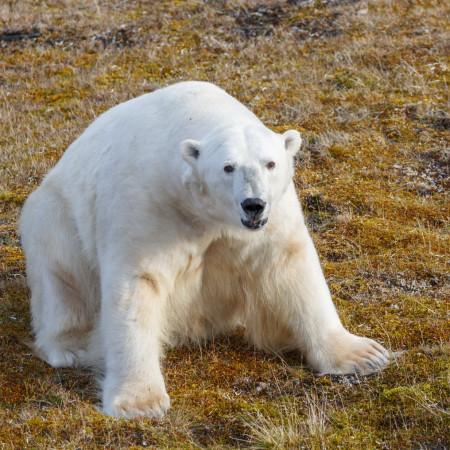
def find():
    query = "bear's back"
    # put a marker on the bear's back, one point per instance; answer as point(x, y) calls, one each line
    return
point(195, 108)
point(163, 118)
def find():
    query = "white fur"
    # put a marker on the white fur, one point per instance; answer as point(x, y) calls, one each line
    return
point(135, 241)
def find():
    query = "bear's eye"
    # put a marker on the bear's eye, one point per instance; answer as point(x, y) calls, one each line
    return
point(228, 169)
point(270, 165)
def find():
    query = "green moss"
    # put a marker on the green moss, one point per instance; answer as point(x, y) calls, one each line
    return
point(344, 80)
point(13, 198)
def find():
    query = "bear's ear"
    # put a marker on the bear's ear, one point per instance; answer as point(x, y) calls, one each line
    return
point(292, 142)
point(190, 151)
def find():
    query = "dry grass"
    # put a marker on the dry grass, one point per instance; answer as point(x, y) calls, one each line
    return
point(367, 85)
point(290, 424)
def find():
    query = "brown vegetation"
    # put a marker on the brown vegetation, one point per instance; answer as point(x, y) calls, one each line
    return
point(367, 85)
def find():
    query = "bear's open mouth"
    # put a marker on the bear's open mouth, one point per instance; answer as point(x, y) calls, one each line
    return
point(254, 224)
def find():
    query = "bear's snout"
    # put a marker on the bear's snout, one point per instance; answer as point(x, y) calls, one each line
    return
point(253, 207)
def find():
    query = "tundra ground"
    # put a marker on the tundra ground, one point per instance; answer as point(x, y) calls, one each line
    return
point(366, 83)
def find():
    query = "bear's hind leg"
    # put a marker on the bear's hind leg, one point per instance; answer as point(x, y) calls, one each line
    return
point(63, 288)
point(60, 320)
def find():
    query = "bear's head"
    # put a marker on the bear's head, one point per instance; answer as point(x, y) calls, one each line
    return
point(237, 174)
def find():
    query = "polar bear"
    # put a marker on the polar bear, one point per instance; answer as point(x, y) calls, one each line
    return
point(172, 217)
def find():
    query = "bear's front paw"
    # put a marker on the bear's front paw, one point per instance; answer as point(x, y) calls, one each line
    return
point(347, 353)
point(144, 402)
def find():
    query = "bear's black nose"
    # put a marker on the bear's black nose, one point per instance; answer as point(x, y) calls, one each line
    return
point(253, 207)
